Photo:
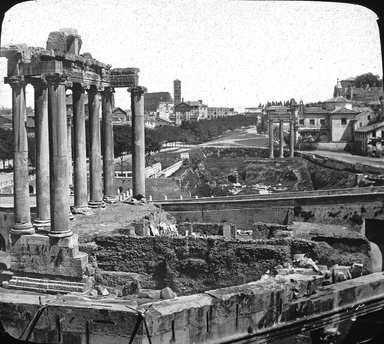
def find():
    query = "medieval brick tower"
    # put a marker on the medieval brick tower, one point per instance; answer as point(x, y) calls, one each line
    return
point(176, 92)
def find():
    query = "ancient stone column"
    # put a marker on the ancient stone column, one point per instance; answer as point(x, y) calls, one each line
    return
point(108, 146)
point(80, 179)
point(96, 187)
point(57, 123)
point(270, 124)
point(22, 216)
point(281, 139)
point(42, 153)
point(69, 148)
point(138, 140)
point(292, 134)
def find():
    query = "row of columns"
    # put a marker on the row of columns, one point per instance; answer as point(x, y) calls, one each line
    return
point(53, 157)
point(281, 139)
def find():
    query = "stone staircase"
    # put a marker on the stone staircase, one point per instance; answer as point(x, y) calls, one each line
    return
point(46, 285)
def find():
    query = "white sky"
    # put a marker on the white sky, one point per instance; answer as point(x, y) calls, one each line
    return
point(227, 53)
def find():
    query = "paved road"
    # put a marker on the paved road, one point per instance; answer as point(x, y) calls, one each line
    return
point(348, 157)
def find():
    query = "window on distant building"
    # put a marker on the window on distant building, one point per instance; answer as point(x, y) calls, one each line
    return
point(343, 121)
point(301, 121)
point(373, 133)
point(368, 117)
point(312, 121)
point(322, 121)
point(361, 124)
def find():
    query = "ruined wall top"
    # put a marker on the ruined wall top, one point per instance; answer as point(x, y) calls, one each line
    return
point(62, 55)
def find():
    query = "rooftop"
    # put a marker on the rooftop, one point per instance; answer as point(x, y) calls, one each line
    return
point(370, 127)
point(344, 110)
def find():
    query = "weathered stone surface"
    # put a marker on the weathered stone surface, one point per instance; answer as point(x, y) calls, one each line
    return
point(41, 254)
point(149, 294)
point(167, 293)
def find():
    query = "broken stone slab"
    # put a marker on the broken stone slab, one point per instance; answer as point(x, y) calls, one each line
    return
point(340, 273)
point(102, 290)
point(304, 285)
point(167, 293)
point(149, 294)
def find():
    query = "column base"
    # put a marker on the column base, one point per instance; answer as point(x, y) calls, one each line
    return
point(42, 225)
point(65, 234)
point(82, 210)
point(110, 200)
point(96, 204)
point(22, 228)
point(41, 256)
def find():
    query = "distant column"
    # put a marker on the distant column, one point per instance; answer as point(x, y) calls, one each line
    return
point(108, 146)
point(281, 139)
point(57, 123)
point(80, 179)
point(138, 140)
point(270, 124)
point(42, 153)
point(22, 216)
point(95, 170)
point(292, 134)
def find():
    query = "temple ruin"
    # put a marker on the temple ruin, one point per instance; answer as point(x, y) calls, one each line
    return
point(48, 246)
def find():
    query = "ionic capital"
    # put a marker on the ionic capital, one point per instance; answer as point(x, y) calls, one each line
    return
point(137, 90)
point(16, 82)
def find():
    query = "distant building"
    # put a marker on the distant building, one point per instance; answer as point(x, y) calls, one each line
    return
point(198, 111)
point(324, 125)
point(336, 103)
point(316, 122)
point(181, 113)
point(153, 99)
point(165, 110)
point(189, 111)
point(256, 112)
point(121, 117)
point(216, 112)
point(342, 123)
point(367, 136)
point(346, 88)
point(176, 92)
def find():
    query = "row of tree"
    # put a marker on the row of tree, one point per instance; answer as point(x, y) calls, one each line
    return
point(189, 132)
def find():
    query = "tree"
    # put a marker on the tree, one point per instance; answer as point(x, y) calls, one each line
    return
point(6, 145)
point(368, 79)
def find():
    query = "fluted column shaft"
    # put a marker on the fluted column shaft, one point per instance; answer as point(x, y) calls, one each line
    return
point(138, 141)
point(80, 179)
point(95, 169)
point(22, 216)
point(57, 124)
point(42, 153)
point(108, 146)
point(281, 139)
